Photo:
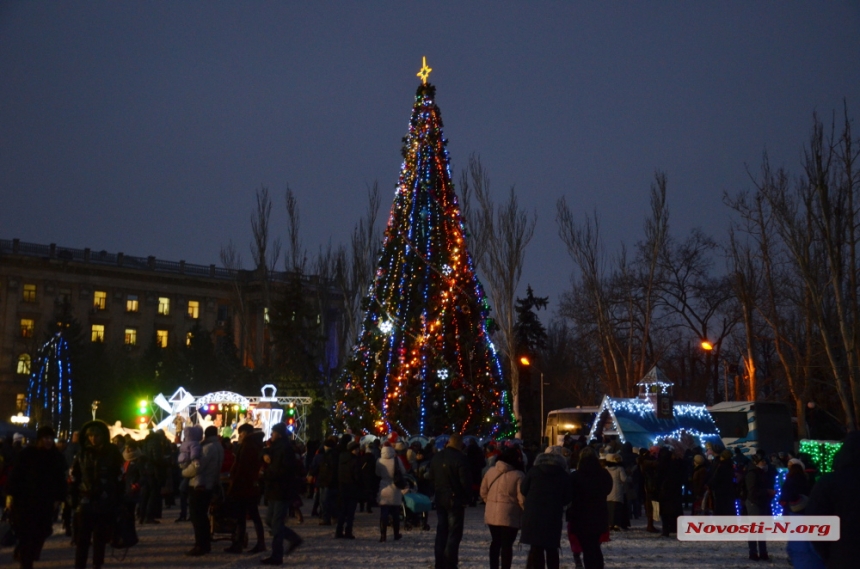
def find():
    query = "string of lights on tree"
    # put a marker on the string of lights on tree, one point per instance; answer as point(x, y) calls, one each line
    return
point(49, 392)
point(821, 453)
point(424, 362)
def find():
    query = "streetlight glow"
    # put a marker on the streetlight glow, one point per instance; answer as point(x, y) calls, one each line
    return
point(525, 361)
point(707, 346)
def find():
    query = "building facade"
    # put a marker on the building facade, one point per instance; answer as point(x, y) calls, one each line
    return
point(125, 302)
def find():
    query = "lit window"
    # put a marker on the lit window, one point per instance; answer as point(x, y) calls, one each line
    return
point(188, 337)
point(29, 293)
point(98, 333)
point(24, 364)
point(99, 300)
point(163, 305)
point(131, 304)
point(131, 336)
point(161, 338)
point(193, 309)
point(27, 327)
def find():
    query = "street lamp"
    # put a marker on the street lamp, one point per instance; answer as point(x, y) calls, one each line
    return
point(707, 346)
point(526, 362)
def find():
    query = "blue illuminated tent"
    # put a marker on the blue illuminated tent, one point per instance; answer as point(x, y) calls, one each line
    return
point(635, 420)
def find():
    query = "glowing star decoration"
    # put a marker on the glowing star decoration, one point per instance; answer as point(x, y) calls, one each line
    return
point(443, 374)
point(386, 326)
point(425, 71)
point(446, 270)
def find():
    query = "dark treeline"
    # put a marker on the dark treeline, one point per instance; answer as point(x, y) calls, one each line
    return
point(776, 297)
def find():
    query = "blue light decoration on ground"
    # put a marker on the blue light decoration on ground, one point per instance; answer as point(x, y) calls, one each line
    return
point(49, 391)
point(775, 506)
point(423, 362)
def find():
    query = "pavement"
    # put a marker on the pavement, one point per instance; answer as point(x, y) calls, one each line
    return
point(162, 546)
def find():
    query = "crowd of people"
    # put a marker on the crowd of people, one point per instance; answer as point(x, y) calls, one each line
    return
point(101, 489)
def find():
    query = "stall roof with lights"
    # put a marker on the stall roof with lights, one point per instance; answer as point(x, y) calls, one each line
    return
point(635, 421)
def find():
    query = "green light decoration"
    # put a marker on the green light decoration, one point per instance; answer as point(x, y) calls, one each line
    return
point(821, 453)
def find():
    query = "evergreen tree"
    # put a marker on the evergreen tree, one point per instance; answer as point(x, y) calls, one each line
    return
point(529, 332)
point(296, 340)
point(424, 362)
point(530, 339)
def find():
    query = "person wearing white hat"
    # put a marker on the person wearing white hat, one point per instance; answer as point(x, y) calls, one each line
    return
point(615, 501)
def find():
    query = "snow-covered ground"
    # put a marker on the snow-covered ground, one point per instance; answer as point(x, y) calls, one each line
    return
point(163, 546)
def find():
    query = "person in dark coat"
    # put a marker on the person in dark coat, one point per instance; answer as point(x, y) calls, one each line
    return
point(243, 493)
point(698, 481)
point(36, 484)
point(452, 480)
point(348, 489)
point(671, 473)
point(369, 480)
point(588, 514)
point(477, 462)
point(327, 481)
point(721, 483)
point(647, 462)
point(280, 491)
point(838, 494)
point(548, 490)
point(759, 493)
point(97, 481)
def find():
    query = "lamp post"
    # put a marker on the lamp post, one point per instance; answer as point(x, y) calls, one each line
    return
point(707, 346)
point(526, 362)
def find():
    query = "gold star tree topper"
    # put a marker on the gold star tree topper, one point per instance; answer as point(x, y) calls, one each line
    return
point(425, 71)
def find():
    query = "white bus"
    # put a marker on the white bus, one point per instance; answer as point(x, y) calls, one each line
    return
point(575, 421)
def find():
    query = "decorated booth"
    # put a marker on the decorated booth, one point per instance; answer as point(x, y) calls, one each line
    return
point(654, 416)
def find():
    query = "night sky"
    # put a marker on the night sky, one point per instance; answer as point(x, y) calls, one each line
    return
point(146, 127)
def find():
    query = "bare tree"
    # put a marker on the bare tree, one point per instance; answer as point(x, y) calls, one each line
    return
point(475, 180)
point(231, 259)
point(818, 223)
point(503, 234)
point(354, 270)
point(296, 257)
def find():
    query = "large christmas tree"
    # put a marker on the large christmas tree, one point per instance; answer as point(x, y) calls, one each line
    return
point(424, 362)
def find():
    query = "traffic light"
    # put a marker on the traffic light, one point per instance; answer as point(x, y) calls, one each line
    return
point(142, 413)
point(291, 416)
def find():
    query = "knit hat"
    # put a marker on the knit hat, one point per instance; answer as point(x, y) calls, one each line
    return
point(797, 461)
point(18, 438)
point(280, 428)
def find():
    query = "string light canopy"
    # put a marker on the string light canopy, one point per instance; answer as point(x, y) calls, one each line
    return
point(424, 362)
